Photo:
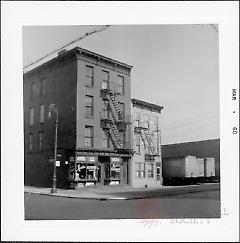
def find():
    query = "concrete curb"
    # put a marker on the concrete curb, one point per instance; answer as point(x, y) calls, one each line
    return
point(145, 194)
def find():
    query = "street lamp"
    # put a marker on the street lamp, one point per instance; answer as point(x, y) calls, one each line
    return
point(54, 108)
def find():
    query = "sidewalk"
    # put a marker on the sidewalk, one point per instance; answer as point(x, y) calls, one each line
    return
point(123, 192)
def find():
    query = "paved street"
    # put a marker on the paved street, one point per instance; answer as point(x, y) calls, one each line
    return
point(188, 205)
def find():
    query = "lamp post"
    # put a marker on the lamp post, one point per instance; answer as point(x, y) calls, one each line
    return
point(54, 108)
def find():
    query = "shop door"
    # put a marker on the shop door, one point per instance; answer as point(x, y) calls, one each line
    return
point(124, 169)
point(158, 174)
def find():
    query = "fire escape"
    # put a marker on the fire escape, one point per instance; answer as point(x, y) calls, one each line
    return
point(146, 137)
point(114, 121)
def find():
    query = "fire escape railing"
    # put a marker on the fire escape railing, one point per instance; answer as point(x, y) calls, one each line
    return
point(146, 137)
point(114, 120)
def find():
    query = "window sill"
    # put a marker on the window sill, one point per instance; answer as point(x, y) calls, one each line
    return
point(92, 117)
point(89, 86)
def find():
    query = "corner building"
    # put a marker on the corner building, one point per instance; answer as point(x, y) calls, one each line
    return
point(146, 163)
point(93, 96)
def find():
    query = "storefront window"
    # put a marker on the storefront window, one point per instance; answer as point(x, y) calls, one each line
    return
point(81, 171)
point(91, 172)
point(115, 171)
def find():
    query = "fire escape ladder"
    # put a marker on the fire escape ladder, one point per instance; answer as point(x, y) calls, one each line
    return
point(115, 105)
point(149, 140)
point(113, 120)
point(114, 130)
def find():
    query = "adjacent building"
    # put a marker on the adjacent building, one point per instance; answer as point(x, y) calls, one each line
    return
point(146, 163)
point(201, 149)
point(92, 96)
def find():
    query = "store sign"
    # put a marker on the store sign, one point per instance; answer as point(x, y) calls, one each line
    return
point(89, 183)
point(92, 167)
point(115, 159)
point(114, 183)
point(115, 169)
point(57, 163)
point(92, 159)
point(71, 159)
point(81, 158)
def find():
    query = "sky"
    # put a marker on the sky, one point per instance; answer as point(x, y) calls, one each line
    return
point(175, 66)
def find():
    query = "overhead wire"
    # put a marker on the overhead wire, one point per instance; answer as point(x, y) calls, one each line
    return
point(69, 43)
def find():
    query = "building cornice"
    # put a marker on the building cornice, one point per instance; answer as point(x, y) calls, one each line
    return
point(146, 105)
point(77, 52)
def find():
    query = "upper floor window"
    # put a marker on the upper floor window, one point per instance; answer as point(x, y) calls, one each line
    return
point(120, 85)
point(43, 87)
point(121, 107)
point(138, 146)
point(41, 115)
point(156, 123)
point(40, 141)
point(31, 121)
point(105, 111)
point(30, 142)
point(89, 106)
point(33, 90)
point(137, 119)
point(89, 136)
point(122, 137)
point(105, 80)
point(147, 121)
point(105, 139)
point(89, 76)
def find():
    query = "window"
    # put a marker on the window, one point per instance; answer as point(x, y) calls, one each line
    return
point(88, 136)
point(147, 124)
point(138, 146)
point(105, 139)
point(105, 81)
point(43, 87)
point(140, 170)
point(122, 136)
point(121, 107)
point(105, 110)
point(115, 171)
point(41, 117)
point(156, 123)
point(30, 142)
point(33, 90)
point(89, 106)
point(120, 85)
point(89, 76)
point(137, 124)
point(40, 141)
point(31, 116)
point(150, 170)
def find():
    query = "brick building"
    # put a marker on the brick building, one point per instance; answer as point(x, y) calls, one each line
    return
point(146, 163)
point(92, 93)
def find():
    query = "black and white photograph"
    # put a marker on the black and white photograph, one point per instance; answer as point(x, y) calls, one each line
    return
point(97, 128)
point(121, 123)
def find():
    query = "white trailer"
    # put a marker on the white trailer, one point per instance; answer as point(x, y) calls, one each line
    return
point(209, 167)
point(182, 167)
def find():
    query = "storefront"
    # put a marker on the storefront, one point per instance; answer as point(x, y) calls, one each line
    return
point(83, 171)
point(90, 170)
point(113, 177)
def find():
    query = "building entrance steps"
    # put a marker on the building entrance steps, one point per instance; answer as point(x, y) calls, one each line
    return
point(101, 192)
